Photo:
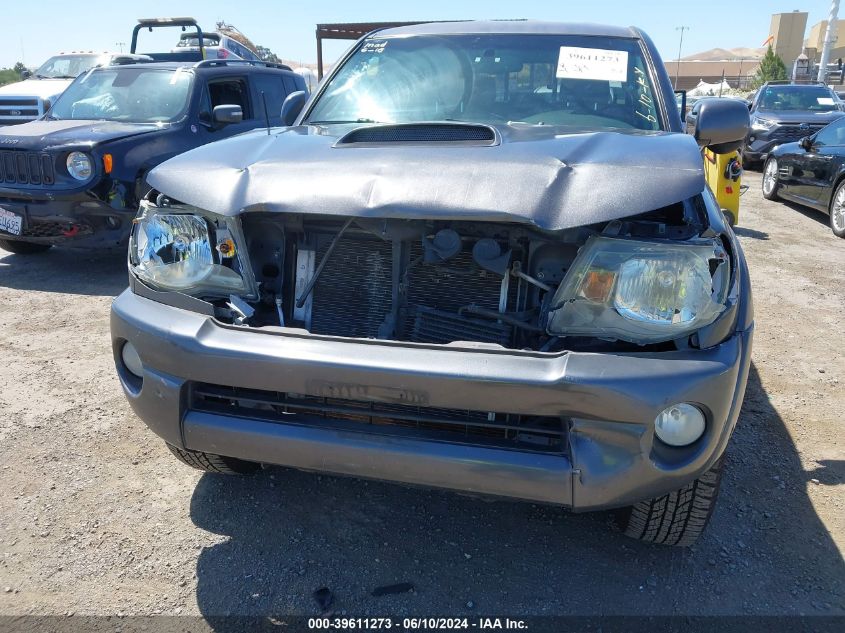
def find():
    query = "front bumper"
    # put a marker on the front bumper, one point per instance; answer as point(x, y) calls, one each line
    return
point(608, 400)
point(79, 219)
point(766, 141)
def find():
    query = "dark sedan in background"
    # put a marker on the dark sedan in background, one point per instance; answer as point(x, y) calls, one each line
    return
point(811, 172)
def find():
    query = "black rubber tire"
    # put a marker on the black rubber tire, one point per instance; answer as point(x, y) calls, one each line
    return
point(773, 194)
point(841, 231)
point(211, 463)
point(23, 248)
point(677, 518)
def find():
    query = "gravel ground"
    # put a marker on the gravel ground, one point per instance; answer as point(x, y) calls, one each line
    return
point(96, 516)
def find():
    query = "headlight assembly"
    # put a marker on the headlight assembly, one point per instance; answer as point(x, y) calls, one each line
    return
point(79, 165)
point(175, 250)
point(762, 125)
point(642, 292)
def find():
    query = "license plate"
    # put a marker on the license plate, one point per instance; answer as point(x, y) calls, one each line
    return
point(10, 222)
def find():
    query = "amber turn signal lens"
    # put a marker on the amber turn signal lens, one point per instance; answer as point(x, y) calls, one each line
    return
point(226, 248)
point(108, 163)
point(597, 285)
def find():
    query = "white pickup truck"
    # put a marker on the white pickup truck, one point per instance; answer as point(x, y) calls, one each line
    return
point(29, 99)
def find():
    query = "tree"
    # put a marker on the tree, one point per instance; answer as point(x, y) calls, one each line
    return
point(265, 54)
point(771, 68)
point(19, 68)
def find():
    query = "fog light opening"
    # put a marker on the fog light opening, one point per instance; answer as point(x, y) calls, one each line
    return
point(131, 360)
point(679, 425)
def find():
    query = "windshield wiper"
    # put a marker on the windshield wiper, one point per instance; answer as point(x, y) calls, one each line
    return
point(343, 121)
point(63, 77)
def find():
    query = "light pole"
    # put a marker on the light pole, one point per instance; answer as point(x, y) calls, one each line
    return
point(829, 40)
point(680, 46)
point(120, 45)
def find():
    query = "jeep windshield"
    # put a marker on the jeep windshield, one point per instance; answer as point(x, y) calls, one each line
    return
point(68, 66)
point(813, 98)
point(130, 94)
point(585, 82)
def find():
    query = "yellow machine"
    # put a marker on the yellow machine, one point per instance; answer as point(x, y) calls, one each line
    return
point(723, 173)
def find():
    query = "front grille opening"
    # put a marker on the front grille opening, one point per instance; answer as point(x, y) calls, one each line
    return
point(26, 168)
point(531, 433)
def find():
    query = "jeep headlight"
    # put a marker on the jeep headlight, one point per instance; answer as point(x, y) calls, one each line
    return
point(79, 165)
point(642, 292)
point(188, 252)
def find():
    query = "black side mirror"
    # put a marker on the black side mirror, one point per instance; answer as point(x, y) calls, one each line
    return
point(292, 106)
point(26, 74)
point(806, 143)
point(223, 115)
point(721, 125)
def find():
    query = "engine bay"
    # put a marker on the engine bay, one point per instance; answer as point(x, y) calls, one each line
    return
point(427, 281)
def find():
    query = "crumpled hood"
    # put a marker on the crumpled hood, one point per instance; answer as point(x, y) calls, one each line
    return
point(42, 88)
point(46, 134)
point(537, 175)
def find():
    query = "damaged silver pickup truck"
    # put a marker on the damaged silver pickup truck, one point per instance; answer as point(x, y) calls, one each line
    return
point(481, 257)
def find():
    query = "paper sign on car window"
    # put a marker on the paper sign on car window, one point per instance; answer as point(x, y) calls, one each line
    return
point(825, 100)
point(592, 63)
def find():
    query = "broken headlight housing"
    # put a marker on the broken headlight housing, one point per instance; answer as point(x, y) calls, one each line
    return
point(185, 250)
point(641, 292)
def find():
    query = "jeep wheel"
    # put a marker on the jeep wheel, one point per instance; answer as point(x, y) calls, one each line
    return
point(211, 463)
point(837, 210)
point(23, 248)
point(677, 518)
point(770, 179)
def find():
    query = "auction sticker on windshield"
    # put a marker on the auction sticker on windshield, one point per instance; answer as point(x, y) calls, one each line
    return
point(10, 222)
point(592, 63)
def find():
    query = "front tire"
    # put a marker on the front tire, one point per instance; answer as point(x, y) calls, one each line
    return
point(23, 248)
point(770, 179)
point(211, 463)
point(677, 518)
point(837, 210)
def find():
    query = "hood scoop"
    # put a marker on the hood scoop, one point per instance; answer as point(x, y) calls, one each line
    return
point(446, 133)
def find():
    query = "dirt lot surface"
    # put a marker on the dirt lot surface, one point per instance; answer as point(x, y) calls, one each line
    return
point(96, 516)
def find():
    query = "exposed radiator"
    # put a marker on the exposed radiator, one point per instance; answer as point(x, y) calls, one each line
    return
point(353, 294)
point(449, 286)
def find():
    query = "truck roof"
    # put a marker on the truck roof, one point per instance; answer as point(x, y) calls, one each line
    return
point(534, 27)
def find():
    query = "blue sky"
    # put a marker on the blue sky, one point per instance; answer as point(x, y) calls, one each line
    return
point(39, 29)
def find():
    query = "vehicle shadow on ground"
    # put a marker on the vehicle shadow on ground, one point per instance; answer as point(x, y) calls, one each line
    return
point(741, 231)
point(82, 272)
point(819, 216)
point(290, 533)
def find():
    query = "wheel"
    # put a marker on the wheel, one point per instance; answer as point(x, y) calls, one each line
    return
point(770, 179)
point(677, 518)
point(211, 463)
point(837, 210)
point(23, 248)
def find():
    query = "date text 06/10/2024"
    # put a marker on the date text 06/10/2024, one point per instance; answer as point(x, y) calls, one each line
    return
point(416, 624)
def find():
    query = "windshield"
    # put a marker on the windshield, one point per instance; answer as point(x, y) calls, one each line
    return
point(194, 41)
point(816, 98)
point(68, 66)
point(580, 81)
point(137, 95)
